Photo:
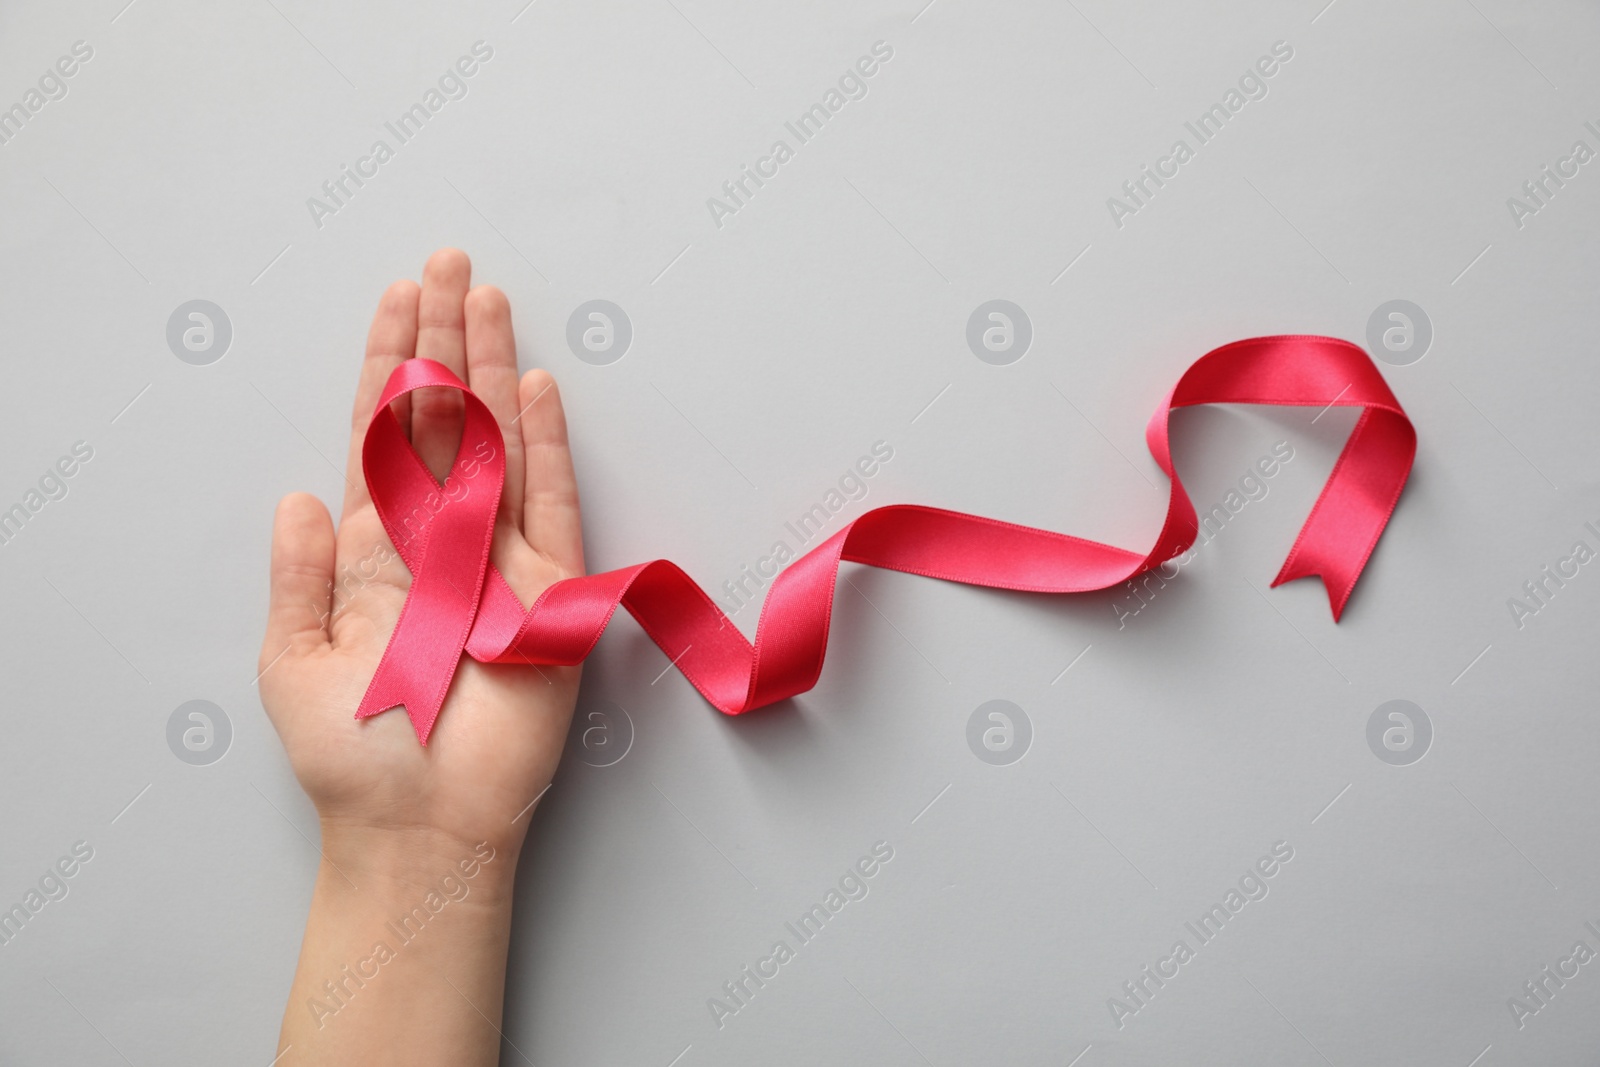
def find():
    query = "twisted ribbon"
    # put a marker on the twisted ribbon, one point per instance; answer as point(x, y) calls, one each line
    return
point(459, 602)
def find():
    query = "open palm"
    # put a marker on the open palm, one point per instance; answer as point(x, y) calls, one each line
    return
point(337, 596)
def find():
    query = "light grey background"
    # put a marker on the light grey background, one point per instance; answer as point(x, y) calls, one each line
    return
point(768, 354)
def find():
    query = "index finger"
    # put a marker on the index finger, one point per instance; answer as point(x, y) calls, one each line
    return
point(391, 341)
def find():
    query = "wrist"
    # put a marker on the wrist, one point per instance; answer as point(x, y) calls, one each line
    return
point(394, 914)
point(396, 864)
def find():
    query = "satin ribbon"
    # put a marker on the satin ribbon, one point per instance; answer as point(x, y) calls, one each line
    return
point(459, 602)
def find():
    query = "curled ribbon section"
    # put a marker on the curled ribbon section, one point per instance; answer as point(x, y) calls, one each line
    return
point(460, 603)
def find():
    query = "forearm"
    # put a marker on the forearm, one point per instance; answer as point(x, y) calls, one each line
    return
point(404, 954)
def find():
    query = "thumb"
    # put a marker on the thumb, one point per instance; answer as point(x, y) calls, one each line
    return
point(302, 577)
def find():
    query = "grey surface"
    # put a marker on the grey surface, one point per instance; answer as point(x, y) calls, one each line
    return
point(826, 315)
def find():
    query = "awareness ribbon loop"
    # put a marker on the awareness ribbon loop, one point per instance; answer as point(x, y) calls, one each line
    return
point(460, 603)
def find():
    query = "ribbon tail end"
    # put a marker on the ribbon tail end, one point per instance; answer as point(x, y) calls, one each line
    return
point(423, 714)
point(1338, 590)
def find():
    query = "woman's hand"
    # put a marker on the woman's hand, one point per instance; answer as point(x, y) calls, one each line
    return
point(501, 730)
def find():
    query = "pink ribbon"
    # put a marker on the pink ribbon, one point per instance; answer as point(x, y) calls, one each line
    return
point(460, 603)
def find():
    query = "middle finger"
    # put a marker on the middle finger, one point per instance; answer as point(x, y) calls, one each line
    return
point(441, 336)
